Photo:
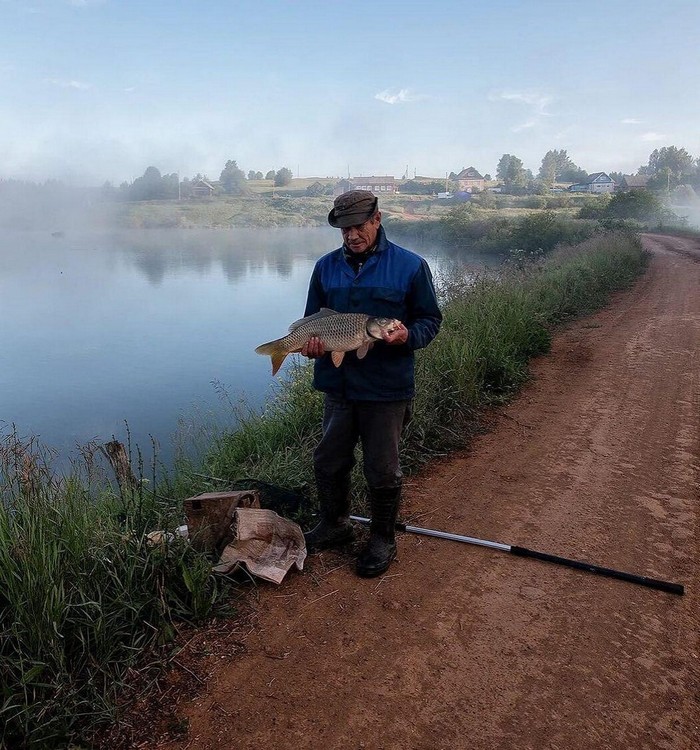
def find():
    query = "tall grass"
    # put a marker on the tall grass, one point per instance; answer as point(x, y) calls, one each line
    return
point(82, 595)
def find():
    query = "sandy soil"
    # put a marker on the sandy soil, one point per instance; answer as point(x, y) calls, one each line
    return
point(464, 647)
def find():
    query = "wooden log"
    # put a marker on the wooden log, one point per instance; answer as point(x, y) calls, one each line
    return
point(210, 515)
point(116, 454)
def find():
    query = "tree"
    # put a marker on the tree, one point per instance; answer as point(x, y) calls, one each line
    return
point(148, 187)
point(232, 179)
point(548, 168)
point(283, 177)
point(170, 185)
point(253, 175)
point(186, 188)
point(556, 165)
point(635, 204)
point(677, 160)
point(418, 187)
point(270, 175)
point(510, 171)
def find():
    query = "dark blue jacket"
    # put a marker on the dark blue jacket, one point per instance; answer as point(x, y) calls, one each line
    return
point(393, 283)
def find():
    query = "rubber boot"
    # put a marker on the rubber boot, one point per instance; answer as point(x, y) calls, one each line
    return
point(335, 528)
point(380, 550)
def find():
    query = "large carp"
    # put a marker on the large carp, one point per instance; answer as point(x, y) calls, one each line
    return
point(339, 332)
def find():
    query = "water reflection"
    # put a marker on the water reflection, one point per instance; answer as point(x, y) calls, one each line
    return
point(147, 327)
point(238, 252)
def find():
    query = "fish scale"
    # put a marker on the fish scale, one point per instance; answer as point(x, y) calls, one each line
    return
point(339, 332)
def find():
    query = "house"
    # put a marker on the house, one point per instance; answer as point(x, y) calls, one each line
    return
point(598, 182)
point(375, 185)
point(634, 181)
point(202, 189)
point(470, 181)
point(340, 187)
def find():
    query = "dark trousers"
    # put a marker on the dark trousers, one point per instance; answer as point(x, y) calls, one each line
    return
point(377, 425)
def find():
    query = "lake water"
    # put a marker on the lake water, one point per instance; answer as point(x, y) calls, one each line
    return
point(154, 329)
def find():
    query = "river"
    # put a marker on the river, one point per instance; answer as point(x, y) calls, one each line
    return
point(151, 330)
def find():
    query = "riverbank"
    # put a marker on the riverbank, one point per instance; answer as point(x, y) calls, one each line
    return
point(294, 208)
point(95, 602)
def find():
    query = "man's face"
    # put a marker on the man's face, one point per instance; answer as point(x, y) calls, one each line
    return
point(361, 237)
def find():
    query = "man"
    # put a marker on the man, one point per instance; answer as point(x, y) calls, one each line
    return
point(367, 399)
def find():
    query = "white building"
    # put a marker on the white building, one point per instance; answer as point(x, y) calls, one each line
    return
point(598, 182)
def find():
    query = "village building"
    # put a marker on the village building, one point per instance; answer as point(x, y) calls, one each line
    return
point(470, 181)
point(202, 189)
point(385, 184)
point(598, 182)
point(634, 181)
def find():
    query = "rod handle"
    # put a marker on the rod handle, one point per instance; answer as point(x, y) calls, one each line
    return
point(652, 583)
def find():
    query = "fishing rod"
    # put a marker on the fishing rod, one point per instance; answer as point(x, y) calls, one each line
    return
point(653, 583)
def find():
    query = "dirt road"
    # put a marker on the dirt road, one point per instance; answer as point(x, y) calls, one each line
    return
point(464, 647)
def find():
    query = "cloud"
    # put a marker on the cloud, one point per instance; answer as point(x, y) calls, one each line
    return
point(631, 121)
point(646, 137)
point(400, 96)
point(536, 101)
point(79, 85)
point(524, 126)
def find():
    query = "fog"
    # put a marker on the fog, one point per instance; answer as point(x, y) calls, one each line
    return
point(52, 206)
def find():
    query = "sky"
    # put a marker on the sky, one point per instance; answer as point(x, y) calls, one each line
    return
point(98, 90)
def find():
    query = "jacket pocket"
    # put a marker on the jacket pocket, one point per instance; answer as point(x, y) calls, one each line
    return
point(388, 302)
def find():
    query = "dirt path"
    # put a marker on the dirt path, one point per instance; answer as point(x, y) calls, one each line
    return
point(464, 647)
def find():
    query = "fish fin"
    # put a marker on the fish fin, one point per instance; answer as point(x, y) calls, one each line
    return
point(324, 312)
point(277, 360)
point(337, 358)
point(362, 351)
point(276, 351)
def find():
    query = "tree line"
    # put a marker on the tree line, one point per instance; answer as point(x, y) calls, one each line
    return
point(667, 168)
point(153, 185)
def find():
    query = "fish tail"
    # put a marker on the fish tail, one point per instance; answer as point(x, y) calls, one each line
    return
point(276, 351)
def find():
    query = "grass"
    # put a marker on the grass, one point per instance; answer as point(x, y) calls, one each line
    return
point(83, 596)
point(85, 600)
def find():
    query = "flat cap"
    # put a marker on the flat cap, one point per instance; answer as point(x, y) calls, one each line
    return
point(352, 208)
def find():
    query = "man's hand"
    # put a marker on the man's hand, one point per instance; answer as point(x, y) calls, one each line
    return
point(313, 348)
point(398, 336)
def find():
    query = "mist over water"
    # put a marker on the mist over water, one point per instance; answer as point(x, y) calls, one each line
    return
point(151, 327)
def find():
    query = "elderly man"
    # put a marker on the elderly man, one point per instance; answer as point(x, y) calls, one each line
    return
point(367, 399)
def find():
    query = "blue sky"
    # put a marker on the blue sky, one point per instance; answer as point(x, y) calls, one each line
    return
point(95, 90)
